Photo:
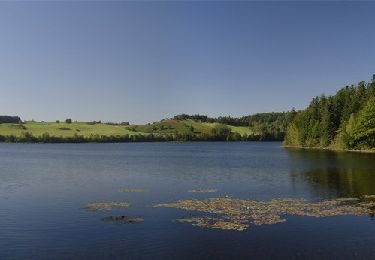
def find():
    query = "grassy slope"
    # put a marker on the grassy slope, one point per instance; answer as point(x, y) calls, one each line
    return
point(55, 129)
point(186, 127)
point(242, 130)
point(84, 129)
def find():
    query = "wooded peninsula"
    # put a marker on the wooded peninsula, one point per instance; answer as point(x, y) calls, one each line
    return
point(344, 121)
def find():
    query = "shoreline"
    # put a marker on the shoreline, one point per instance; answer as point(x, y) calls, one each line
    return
point(329, 149)
point(148, 141)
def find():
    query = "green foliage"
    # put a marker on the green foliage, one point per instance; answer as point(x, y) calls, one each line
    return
point(260, 127)
point(10, 119)
point(344, 120)
point(363, 132)
point(68, 121)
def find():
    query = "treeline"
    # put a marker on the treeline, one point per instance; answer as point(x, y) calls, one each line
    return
point(27, 137)
point(10, 119)
point(345, 120)
point(277, 118)
point(267, 126)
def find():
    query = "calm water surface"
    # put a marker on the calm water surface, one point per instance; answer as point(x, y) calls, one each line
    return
point(44, 187)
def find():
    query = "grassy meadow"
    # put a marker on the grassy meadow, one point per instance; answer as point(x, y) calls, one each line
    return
point(167, 127)
point(63, 129)
point(188, 126)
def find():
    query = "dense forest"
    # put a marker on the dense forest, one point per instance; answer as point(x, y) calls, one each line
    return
point(345, 120)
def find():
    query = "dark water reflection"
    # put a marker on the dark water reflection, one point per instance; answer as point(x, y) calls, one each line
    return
point(44, 187)
point(333, 174)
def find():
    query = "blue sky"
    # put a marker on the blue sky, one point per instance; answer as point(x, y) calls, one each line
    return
point(144, 61)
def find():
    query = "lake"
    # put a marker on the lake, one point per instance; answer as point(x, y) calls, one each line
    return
point(44, 187)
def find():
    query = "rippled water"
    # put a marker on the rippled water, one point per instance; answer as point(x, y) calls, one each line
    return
point(44, 187)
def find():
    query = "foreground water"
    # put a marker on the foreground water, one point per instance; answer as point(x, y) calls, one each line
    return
point(43, 189)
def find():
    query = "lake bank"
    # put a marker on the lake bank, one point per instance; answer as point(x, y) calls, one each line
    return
point(329, 149)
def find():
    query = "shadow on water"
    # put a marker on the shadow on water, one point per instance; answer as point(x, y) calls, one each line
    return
point(333, 174)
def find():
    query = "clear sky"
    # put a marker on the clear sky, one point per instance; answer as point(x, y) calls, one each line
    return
point(144, 61)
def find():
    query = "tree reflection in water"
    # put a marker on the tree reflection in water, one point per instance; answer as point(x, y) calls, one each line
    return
point(333, 174)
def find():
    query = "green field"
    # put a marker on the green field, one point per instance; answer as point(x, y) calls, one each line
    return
point(163, 127)
point(172, 126)
point(242, 130)
point(63, 129)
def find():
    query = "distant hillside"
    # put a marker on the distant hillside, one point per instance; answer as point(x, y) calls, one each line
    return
point(261, 127)
point(345, 120)
point(264, 126)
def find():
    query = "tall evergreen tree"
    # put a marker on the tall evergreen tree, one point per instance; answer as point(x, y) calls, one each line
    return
point(364, 130)
point(344, 120)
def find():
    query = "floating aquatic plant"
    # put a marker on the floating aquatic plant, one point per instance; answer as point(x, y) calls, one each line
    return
point(212, 222)
point(122, 220)
point(239, 214)
point(203, 190)
point(105, 206)
point(131, 190)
